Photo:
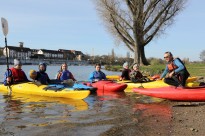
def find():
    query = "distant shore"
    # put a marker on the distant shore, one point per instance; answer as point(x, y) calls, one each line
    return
point(3, 61)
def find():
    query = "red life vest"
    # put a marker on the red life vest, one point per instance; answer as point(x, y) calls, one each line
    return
point(18, 75)
point(171, 66)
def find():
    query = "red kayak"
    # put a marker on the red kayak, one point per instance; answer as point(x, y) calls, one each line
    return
point(175, 93)
point(108, 86)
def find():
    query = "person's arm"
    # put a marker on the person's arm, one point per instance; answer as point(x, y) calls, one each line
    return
point(164, 73)
point(122, 75)
point(140, 74)
point(25, 77)
point(7, 77)
point(104, 76)
point(179, 65)
point(72, 77)
point(91, 77)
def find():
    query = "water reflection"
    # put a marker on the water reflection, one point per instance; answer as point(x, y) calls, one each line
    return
point(110, 95)
point(22, 111)
point(21, 99)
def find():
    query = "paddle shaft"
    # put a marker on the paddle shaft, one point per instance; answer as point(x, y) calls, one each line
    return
point(7, 58)
point(5, 32)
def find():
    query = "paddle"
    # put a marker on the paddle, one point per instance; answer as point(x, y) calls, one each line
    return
point(4, 24)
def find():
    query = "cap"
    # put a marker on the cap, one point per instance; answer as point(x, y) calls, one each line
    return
point(136, 65)
point(17, 62)
point(125, 64)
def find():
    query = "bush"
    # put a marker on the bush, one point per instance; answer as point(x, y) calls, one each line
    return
point(155, 61)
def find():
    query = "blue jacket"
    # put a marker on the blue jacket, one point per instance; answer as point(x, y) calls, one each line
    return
point(99, 75)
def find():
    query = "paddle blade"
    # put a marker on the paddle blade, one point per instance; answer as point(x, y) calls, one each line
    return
point(4, 25)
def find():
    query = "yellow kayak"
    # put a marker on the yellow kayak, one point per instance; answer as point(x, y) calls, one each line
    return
point(31, 88)
point(155, 84)
point(113, 77)
point(117, 77)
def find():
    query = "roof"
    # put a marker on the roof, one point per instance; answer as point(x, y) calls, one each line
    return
point(19, 49)
point(51, 51)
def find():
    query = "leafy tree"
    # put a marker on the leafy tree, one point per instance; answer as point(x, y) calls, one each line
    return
point(136, 22)
point(202, 55)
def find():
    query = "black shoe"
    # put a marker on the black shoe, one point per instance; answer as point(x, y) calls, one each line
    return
point(201, 84)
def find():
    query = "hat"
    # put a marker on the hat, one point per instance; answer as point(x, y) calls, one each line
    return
point(17, 62)
point(125, 64)
point(135, 65)
point(44, 64)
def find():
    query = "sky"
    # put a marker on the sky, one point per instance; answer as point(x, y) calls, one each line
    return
point(75, 25)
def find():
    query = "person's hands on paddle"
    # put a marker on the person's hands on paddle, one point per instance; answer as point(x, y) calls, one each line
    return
point(8, 80)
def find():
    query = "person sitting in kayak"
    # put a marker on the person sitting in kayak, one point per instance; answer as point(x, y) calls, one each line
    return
point(42, 76)
point(125, 72)
point(64, 74)
point(175, 72)
point(97, 74)
point(15, 74)
point(135, 74)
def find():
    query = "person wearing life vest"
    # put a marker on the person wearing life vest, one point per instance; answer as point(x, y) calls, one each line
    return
point(97, 74)
point(64, 73)
point(175, 72)
point(15, 74)
point(135, 74)
point(42, 76)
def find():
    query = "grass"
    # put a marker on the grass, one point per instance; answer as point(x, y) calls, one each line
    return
point(195, 69)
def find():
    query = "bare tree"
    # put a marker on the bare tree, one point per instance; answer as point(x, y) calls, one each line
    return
point(202, 55)
point(136, 22)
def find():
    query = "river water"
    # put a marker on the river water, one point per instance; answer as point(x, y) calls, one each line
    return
point(113, 114)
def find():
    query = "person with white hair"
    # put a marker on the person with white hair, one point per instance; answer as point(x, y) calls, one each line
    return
point(125, 72)
point(15, 74)
point(135, 74)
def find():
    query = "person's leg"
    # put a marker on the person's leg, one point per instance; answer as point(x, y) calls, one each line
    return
point(171, 81)
point(183, 77)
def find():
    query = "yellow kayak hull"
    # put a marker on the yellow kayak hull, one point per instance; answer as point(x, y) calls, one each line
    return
point(31, 88)
point(155, 84)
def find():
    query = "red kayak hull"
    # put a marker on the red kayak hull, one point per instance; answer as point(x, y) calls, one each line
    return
point(173, 93)
point(109, 86)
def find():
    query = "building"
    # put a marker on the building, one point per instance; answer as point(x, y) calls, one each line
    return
point(51, 54)
point(17, 52)
point(72, 54)
point(22, 52)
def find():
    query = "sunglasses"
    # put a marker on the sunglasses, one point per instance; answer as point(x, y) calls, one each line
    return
point(166, 57)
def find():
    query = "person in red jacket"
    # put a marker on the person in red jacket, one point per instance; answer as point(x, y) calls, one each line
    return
point(15, 74)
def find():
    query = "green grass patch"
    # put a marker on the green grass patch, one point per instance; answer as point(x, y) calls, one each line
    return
point(195, 69)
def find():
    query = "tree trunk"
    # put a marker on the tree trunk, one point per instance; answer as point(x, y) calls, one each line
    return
point(142, 56)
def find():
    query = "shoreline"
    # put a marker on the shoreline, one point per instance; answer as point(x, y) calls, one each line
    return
point(187, 118)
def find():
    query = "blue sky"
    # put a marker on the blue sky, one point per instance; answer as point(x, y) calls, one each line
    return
point(74, 24)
